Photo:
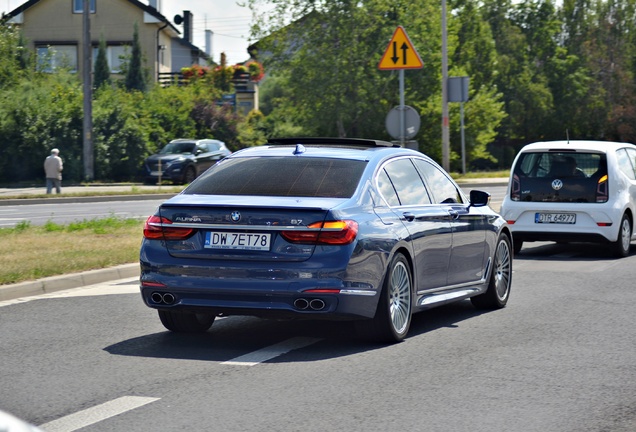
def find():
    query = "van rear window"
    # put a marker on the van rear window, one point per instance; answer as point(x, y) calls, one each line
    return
point(560, 177)
point(566, 164)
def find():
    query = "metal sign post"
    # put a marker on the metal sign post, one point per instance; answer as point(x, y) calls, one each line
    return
point(400, 54)
point(458, 92)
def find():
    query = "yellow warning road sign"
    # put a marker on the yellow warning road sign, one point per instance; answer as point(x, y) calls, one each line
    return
point(400, 54)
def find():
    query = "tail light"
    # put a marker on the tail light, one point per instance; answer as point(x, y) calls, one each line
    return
point(602, 190)
point(326, 233)
point(158, 228)
point(515, 189)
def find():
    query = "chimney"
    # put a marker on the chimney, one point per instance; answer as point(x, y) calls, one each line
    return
point(208, 42)
point(155, 4)
point(187, 26)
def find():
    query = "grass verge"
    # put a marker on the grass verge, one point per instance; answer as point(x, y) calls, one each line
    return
point(33, 252)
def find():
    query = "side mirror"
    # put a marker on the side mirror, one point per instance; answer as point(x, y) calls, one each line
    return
point(479, 198)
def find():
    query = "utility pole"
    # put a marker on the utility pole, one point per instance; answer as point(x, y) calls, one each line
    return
point(88, 94)
point(445, 130)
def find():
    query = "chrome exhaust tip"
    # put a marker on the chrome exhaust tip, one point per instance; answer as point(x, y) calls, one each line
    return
point(168, 298)
point(156, 297)
point(317, 304)
point(301, 304)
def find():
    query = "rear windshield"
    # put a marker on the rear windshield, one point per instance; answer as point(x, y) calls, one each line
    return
point(560, 177)
point(281, 176)
point(561, 164)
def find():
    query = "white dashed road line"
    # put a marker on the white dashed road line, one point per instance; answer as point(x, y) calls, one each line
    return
point(89, 416)
point(271, 351)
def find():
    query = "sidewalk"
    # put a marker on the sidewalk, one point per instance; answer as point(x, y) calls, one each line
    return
point(68, 281)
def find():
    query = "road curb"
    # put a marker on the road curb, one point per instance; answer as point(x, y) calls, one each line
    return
point(64, 282)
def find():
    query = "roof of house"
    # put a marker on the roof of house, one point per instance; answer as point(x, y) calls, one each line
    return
point(146, 8)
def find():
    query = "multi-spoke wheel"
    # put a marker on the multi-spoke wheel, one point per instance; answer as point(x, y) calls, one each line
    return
point(393, 316)
point(496, 296)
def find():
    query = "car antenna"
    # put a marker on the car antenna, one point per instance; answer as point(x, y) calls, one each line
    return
point(567, 135)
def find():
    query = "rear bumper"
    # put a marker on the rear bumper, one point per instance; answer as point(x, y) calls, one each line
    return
point(265, 304)
point(596, 223)
point(266, 289)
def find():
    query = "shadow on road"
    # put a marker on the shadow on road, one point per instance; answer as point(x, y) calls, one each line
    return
point(566, 251)
point(235, 336)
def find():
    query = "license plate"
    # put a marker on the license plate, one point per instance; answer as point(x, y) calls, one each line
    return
point(237, 241)
point(155, 173)
point(556, 218)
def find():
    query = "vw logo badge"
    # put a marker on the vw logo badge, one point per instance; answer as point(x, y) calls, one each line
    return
point(557, 184)
point(235, 216)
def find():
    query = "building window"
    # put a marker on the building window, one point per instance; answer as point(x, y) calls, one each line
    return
point(78, 6)
point(53, 57)
point(116, 55)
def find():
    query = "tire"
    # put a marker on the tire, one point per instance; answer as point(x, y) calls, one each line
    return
point(517, 244)
point(393, 316)
point(498, 292)
point(620, 248)
point(186, 322)
point(189, 175)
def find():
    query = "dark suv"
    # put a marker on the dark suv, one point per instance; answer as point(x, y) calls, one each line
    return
point(183, 160)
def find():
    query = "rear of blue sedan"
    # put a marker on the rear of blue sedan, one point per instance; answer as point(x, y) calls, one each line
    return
point(282, 231)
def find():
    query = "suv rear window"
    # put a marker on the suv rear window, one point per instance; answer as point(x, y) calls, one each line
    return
point(281, 176)
point(556, 176)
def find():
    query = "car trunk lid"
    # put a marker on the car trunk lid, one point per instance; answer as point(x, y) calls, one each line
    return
point(243, 228)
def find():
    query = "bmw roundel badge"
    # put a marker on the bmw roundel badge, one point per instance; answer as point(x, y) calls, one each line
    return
point(235, 216)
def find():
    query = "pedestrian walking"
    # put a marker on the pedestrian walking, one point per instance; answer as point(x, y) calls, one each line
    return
point(53, 170)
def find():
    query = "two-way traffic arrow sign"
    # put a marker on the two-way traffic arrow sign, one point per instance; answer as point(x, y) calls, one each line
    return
point(400, 53)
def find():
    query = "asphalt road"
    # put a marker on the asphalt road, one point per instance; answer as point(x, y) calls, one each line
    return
point(560, 357)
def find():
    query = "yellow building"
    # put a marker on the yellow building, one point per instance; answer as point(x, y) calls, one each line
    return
point(54, 29)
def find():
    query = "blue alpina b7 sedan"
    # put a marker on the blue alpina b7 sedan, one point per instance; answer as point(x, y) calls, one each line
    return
point(323, 228)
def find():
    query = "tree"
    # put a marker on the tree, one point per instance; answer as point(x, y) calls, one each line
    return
point(102, 71)
point(15, 59)
point(326, 69)
point(135, 78)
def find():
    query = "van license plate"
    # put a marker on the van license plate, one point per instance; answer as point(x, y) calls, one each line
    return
point(558, 218)
point(237, 241)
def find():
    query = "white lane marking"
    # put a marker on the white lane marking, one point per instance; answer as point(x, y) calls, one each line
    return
point(120, 286)
point(271, 351)
point(89, 416)
point(117, 287)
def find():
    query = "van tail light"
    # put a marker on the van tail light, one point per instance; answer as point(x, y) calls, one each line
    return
point(602, 192)
point(339, 233)
point(158, 228)
point(515, 188)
